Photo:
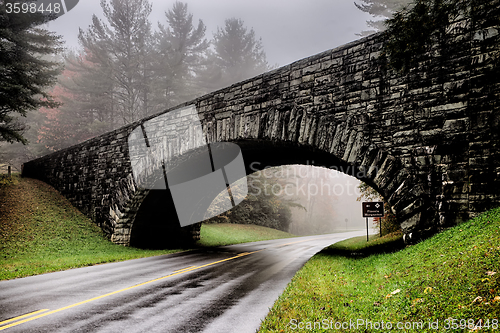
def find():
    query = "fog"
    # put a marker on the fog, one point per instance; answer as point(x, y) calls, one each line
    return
point(290, 29)
point(94, 101)
point(328, 196)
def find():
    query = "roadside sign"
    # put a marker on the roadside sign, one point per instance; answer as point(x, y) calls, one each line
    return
point(373, 209)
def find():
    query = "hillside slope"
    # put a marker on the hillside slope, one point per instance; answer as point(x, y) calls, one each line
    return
point(40, 231)
point(449, 280)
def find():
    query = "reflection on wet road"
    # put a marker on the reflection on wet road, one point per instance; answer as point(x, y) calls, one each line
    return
point(226, 289)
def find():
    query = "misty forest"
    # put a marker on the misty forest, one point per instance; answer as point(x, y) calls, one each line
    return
point(127, 68)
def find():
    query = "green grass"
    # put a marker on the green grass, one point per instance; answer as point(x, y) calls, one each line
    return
point(453, 275)
point(40, 232)
point(359, 247)
point(226, 234)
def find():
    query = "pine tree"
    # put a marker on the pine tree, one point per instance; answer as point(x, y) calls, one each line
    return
point(179, 48)
point(121, 47)
point(380, 8)
point(25, 74)
point(238, 54)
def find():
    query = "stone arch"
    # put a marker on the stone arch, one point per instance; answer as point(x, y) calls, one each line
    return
point(403, 191)
point(375, 166)
point(347, 138)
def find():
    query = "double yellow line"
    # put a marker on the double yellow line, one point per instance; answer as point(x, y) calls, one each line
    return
point(19, 318)
point(43, 313)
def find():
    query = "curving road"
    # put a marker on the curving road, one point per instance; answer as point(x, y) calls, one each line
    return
point(226, 289)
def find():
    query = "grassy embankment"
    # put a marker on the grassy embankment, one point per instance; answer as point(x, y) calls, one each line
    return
point(40, 231)
point(450, 279)
point(226, 234)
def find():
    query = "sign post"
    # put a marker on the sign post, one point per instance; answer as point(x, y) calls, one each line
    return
point(367, 229)
point(372, 209)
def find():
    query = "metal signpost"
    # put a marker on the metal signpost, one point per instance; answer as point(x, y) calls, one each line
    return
point(372, 209)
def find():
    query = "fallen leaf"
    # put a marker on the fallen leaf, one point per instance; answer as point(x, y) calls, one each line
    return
point(490, 273)
point(417, 300)
point(428, 290)
point(478, 299)
point(396, 292)
point(496, 299)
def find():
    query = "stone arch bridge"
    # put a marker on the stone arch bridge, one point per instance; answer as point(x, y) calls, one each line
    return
point(428, 140)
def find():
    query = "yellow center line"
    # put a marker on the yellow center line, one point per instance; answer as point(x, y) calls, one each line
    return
point(185, 270)
point(23, 316)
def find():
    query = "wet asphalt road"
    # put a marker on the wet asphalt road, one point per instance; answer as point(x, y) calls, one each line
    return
point(227, 289)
